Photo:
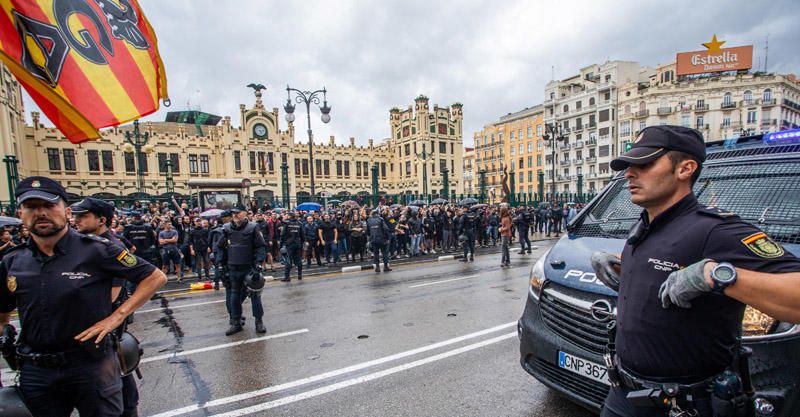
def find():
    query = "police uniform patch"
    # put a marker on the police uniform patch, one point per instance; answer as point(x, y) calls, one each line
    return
point(11, 282)
point(763, 246)
point(126, 259)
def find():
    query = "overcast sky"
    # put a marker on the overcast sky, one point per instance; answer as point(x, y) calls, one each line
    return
point(494, 57)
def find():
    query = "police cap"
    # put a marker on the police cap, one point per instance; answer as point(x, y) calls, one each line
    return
point(42, 188)
point(96, 206)
point(655, 141)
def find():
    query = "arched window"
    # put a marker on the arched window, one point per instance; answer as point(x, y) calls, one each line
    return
point(566, 108)
point(627, 109)
point(748, 96)
point(663, 103)
point(727, 99)
point(591, 101)
point(767, 96)
point(642, 106)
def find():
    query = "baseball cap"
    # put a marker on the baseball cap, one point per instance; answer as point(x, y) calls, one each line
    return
point(655, 141)
point(225, 213)
point(42, 188)
point(237, 208)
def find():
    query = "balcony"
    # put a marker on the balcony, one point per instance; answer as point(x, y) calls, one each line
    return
point(578, 129)
point(578, 144)
point(701, 107)
point(604, 137)
point(591, 160)
point(624, 116)
point(561, 178)
point(768, 103)
point(683, 107)
point(750, 102)
point(591, 142)
point(769, 122)
point(591, 126)
point(605, 85)
point(564, 146)
point(591, 175)
point(663, 111)
point(727, 106)
point(641, 113)
point(577, 161)
point(702, 127)
point(564, 162)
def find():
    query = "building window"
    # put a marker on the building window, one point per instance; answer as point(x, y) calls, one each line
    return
point(726, 121)
point(578, 105)
point(338, 168)
point(326, 167)
point(602, 151)
point(204, 169)
point(442, 165)
point(530, 147)
point(685, 120)
point(767, 96)
point(358, 169)
point(512, 136)
point(271, 162)
point(53, 159)
point(237, 160)
point(108, 161)
point(727, 99)
point(700, 122)
point(162, 162)
point(296, 167)
point(252, 161)
point(383, 169)
point(530, 132)
point(94, 160)
point(625, 129)
point(642, 125)
point(748, 97)
point(69, 159)
point(442, 147)
point(305, 166)
point(538, 160)
point(262, 162)
point(130, 165)
point(318, 167)
point(591, 101)
point(565, 109)
point(408, 168)
point(347, 168)
point(365, 168)
point(193, 163)
point(539, 130)
point(751, 118)
point(407, 148)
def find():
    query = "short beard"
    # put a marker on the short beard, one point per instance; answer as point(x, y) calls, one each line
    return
point(48, 232)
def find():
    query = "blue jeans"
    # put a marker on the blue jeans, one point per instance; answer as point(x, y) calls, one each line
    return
point(331, 251)
point(342, 248)
point(415, 242)
point(236, 292)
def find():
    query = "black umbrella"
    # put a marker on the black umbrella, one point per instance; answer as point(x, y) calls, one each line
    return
point(477, 206)
point(420, 203)
point(394, 206)
point(439, 201)
point(468, 201)
point(9, 221)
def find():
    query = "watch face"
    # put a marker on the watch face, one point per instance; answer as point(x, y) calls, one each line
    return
point(260, 130)
point(724, 273)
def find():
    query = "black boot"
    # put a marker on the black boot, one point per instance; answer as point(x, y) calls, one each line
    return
point(260, 327)
point(377, 268)
point(233, 330)
point(386, 268)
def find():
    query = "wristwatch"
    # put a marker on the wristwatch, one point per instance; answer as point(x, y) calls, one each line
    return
point(723, 275)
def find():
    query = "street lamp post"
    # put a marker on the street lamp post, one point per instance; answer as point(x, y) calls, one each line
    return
point(424, 156)
point(554, 133)
point(308, 97)
point(446, 183)
point(170, 181)
point(13, 179)
point(137, 142)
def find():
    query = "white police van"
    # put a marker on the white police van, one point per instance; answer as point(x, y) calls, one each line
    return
point(562, 330)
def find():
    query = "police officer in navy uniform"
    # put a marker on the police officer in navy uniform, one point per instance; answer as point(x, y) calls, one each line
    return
point(215, 236)
point(242, 250)
point(144, 238)
point(467, 224)
point(684, 277)
point(60, 283)
point(292, 238)
point(94, 216)
point(379, 234)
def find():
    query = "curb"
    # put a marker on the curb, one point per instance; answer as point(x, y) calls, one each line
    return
point(446, 258)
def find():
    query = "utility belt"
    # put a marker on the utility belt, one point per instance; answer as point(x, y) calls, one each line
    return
point(53, 360)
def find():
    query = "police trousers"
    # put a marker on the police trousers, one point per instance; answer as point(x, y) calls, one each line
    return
point(383, 248)
point(617, 405)
point(524, 242)
point(236, 293)
point(469, 244)
point(94, 387)
point(293, 257)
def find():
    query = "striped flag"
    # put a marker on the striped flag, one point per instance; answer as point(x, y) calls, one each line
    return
point(88, 64)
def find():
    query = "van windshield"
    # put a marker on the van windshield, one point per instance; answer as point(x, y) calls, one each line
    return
point(764, 193)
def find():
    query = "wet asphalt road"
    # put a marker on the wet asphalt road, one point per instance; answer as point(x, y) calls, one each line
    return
point(427, 339)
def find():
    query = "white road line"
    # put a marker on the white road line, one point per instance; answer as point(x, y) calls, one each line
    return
point(180, 306)
point(359, 380)
point(331, 374)
point(442, 282)
point(223, 346)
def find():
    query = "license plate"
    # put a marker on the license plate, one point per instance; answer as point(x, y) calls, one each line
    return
point(588, 369)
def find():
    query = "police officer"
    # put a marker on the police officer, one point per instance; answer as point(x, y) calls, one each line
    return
point(144, 238)
point(243, 249)
point(215, 236)
point(60, 282)
point(467, 224)
point(311, 239)
point(378, 233)
point(684, 277)
point(94, 216)
point(292, 239)
point(523, 223)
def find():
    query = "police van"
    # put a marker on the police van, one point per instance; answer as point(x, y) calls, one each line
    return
point(563, 328)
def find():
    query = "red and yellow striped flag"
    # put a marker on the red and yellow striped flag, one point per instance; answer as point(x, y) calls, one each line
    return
point(88, 64)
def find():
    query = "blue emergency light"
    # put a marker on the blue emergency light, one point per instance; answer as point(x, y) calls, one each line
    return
point(783, 137)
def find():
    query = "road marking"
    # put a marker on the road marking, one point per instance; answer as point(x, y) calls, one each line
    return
point(331, 374)
point(442, 282)
point(360, 380)
point(180, 306)
point(223, 346)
